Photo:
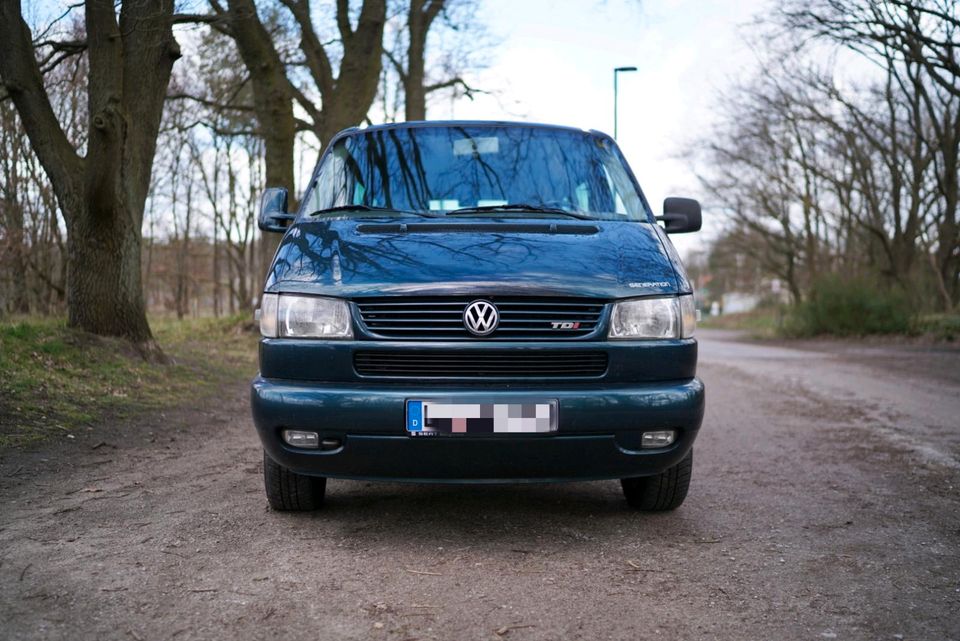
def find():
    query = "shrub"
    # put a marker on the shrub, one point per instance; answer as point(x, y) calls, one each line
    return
point(850, 307)
point(944, 327)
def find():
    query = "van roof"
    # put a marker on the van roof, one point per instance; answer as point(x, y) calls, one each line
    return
point(416, 124)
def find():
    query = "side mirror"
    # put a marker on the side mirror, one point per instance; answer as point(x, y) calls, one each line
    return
point(681, 215)
point(273, 210)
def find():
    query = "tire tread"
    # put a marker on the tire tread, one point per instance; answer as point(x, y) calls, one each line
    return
point(288, 491)
point(661, 492)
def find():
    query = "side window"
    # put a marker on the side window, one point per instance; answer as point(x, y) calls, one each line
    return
point(311, 202)
point(330, 187)
point(618, 206)
point(626, 198)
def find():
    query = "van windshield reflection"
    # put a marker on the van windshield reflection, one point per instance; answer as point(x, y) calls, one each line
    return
point(511, 170)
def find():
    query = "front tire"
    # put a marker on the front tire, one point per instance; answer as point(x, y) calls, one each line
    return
point(662, 492)
point(288, 491)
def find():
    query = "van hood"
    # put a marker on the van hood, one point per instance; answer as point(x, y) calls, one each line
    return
point(353, 258)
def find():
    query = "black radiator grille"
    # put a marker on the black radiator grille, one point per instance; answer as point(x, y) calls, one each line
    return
point(481, 364)
point(442, 318)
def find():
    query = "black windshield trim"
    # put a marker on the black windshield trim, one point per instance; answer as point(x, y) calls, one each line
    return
point(361, 208)
point(518, 208)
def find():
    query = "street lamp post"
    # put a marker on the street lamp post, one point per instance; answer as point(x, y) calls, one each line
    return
point(617, 70)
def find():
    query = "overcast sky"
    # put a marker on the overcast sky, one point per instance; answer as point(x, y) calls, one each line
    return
point(556, 63)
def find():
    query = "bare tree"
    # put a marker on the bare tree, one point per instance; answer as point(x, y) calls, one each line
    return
point(923, 32)
point(102, 192)
point(917, 43)
point(32, 247)
point(409, 58)
point(840, 174)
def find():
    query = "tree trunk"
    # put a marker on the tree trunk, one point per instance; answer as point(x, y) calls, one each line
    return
point(278, 155)
point(104, 292)
point(16, 247)
point(19, 302)
point(272, 102)
point(414, 93)
point(183, 259)
point(217, 307)
point(347, 98)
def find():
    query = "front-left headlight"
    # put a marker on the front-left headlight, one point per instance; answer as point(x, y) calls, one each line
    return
point(296, 316)
point(652, 318)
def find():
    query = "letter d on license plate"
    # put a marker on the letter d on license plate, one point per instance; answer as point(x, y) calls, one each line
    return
point(436, 417)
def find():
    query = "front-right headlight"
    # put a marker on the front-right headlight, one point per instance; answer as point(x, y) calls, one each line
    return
point(653, 318)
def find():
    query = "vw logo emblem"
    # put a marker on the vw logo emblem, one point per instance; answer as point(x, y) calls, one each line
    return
point(481, 318)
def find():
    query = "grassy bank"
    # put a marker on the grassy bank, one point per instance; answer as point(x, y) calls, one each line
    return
point(845, 306)
point(760, 323)
point(55, 381)
point(783, 323)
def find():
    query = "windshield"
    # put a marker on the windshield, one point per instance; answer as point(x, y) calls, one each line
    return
point(442, 169)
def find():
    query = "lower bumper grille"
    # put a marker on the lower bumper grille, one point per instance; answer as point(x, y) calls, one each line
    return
point(481, 364)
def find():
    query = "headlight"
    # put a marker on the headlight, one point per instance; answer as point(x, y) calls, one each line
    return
point(673, 317)
point(288, 315)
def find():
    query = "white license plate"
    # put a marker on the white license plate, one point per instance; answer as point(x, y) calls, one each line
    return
point(444, 417)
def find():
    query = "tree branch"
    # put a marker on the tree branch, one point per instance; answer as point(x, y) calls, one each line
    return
point(197, 18)
point(468, 91)
point(213, 104)
point(343, 20)
point(313, 50)
point(398, 67)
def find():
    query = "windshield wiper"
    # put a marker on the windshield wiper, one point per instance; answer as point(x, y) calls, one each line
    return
point(365, 208)
point(518, 207)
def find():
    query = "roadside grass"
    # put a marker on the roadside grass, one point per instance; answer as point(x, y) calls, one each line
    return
point(847, 307)
point(763, 322)
point(56, 381)
point(771, 323)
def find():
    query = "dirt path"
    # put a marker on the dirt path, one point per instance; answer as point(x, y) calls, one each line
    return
point(824, 506)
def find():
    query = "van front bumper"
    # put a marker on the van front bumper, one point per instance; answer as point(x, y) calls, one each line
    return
point(598, 434)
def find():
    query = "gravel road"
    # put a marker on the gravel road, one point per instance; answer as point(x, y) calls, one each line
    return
point(824, 505)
